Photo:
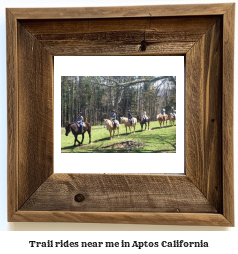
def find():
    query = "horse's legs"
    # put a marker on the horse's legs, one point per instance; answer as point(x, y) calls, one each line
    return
point(89, 134)
point(76, 139)
point(82, 138)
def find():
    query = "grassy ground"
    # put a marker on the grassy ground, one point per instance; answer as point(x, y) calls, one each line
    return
point(154, 140)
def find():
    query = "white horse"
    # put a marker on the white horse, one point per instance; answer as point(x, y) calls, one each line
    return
point(111, 127)
point(128, 123)
point(172, 118)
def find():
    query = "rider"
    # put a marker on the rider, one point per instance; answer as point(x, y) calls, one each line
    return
point(80, 121)
point(113, 117)
point(144, 115)
point(163, 113)
point(172, 111)
point(130, 118)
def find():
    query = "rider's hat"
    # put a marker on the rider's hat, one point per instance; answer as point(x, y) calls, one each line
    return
point(143, 108)
point(128, 110)
point(113, 110)
point(80, 113)
point(172, 107)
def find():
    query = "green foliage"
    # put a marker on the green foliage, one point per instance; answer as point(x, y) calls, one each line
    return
point(96, 96)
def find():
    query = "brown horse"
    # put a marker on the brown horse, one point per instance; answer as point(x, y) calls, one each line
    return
point(142, 121)
point(161, 120)
point(77, 131)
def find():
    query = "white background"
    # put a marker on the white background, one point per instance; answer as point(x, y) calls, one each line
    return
point(119, 66)
point(17, 241)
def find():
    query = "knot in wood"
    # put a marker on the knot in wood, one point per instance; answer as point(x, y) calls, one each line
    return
point(143, 45)
point(79, 198)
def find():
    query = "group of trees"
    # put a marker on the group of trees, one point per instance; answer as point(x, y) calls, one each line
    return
point(97, 96)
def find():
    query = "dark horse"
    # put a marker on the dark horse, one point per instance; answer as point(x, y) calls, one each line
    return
point(77, 130)
point(143, 121)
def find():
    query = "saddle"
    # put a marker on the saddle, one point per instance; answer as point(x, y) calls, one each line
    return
point(113, 124)
point(83, 124)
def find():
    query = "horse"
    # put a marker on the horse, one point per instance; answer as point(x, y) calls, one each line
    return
point(128, 123)
point(161, 120)
point(144, 122)
point(172, 119)
point(77, 131)
point(111, 127)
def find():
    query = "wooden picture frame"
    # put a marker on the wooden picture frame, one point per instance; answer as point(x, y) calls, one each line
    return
point(204, 34)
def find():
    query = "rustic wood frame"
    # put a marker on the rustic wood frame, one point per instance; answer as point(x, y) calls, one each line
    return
point(204, 34)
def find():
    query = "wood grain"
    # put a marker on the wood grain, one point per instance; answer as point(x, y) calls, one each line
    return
point(227, 112)
point(189, 26)
point(36, 114)
point(115, 49)
point(114, 193)
point(204, 115)
point(191, 219)
point(121, 12)
point(12, 111)
point(119, 36)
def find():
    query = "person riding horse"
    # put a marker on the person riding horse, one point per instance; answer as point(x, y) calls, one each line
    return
point(172, 111)
point(163, 113)
point(144, 115)
point(113, 118)
point(130, 118)
point(79, 121)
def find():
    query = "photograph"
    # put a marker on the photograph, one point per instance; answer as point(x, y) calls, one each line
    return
point(118, 114)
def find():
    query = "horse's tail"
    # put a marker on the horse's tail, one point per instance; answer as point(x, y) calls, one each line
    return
point(89, 130)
